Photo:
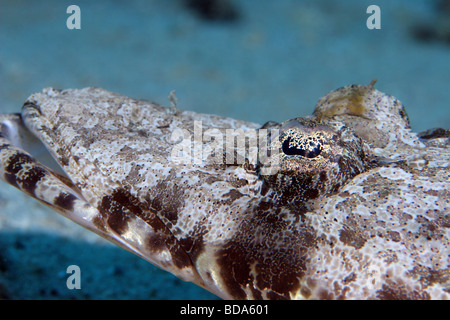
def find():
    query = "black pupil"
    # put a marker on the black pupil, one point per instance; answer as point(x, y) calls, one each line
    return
point(309, 150)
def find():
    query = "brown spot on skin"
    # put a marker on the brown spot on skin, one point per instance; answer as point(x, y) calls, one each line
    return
point(65, 201)
point(344, 194)
point(444, 221)
point(28, 179)
point(212, 179)
point(268, 253)
point(399, 292)
point(62, 157)
point(16, 162)
point(265, 188)
point(352, 238)
point(167, 200)
point(99, 223)
point(134, 176)
point(350, 278)
point(394, 236)
point(231, 196)
point(34, 175)
point(429, 276)
point(163, 240)
point(343, 293)
point(119, 208)
point(156, 242)
point(436, 193)
point(325, 295)
point(430, 229)
point(238, 183)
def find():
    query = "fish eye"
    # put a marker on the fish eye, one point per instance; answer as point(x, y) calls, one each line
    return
point(309, 159)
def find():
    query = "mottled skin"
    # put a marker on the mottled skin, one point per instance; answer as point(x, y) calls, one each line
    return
point(357, 209)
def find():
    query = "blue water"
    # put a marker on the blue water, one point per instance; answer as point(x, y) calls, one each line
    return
point(273, 63)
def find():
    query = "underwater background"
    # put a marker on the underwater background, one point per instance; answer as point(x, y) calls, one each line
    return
point(256, 60)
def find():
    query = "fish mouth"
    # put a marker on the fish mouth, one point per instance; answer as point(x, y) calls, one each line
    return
point(14, 130)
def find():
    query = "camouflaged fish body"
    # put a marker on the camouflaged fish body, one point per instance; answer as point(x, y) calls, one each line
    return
point(357, 208)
